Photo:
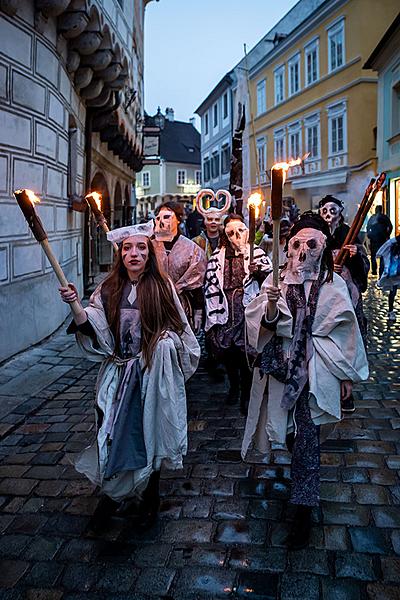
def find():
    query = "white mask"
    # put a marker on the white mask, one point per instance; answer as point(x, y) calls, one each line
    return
point(305, 251)
point(166, 226)
point(237, 234)
point(331, 212)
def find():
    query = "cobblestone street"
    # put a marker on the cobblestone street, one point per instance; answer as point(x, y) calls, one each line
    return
point(222, 522)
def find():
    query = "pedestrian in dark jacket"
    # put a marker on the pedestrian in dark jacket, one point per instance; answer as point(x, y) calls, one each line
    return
point(379, 228)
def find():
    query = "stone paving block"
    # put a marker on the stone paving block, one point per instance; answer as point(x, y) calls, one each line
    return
point(117, 578)
point(355, 475)
point(258, 559)
point(336, 492)
point(12, 470)
point(309, 561)
point(5, 521)
point(205, 471)
point(386, 516)
point(355, 566)
point(391, 569)
point(369, 540)
point(156, 581)
point(230, 509)
point(11, 546)
point(375, 447)
point(43, 594)
point(219, 487)
point(371, 494)
point(265, 509)
point(241, 532)
point(34, 379)
point(340, 589)
point(374, 461)
point(203, 583)
point(50, 488)
point(187, 531)
point(234, 471)
point(295, 586)
point(197, 508)
point(42, 548)
point(152, 555)
point(384, 477)
point(205, 555)
point(345, 514)
point(393, 462)
point(80, 577)
point(335, 538)
point(44, 573)
point(258, 586)
point(379, 591)
point(76, 550)
point(28, 523)
point(83, 505)
point(191, 487)
point(11, 572)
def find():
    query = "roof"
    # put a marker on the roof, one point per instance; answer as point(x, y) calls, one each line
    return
point(382, 43)
point(222, 85)
point(180, 142)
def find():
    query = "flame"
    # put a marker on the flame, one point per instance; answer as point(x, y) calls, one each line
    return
point(31, 195)
point(96, 197)
point(256, 201)
point(285, 166)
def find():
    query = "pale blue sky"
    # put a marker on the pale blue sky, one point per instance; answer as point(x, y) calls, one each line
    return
point(191, 44)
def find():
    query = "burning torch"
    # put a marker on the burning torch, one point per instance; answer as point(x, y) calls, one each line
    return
point(253, 204)
point(94, 201)
point(278, 177)
point(26, 200)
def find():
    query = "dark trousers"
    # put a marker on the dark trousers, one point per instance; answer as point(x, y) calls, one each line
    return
point(239, 374)
point(374, 247)
point(392, 296)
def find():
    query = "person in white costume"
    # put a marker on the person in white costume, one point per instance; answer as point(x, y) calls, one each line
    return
point(310, 354)
point(136, 328)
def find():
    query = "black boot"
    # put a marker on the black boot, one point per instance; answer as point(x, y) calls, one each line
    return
point(149, 505)
point(105, 509)
point(300, 533)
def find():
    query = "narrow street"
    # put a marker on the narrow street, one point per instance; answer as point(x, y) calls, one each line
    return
point(222, 523)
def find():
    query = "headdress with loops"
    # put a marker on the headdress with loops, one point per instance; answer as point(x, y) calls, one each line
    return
point(210, 195)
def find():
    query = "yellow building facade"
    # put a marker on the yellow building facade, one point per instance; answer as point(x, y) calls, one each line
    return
point(310, 94)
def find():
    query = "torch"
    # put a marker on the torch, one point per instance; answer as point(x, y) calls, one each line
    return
point(94, 201)
point(253, 204)
point(26, 200)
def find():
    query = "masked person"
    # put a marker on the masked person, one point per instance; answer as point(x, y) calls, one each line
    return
point(355, 268)
point(208, 239)
point(182, 260)
point(310, 353)
point(147, 351)
point(230, 283)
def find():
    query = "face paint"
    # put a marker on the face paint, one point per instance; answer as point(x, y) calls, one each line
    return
point(212, 221)
point(305, 251)
point(331, 212)
point(237, 234)
point(166, 226)
point(135, 253)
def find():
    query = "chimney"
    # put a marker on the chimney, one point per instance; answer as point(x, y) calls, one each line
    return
point(169, 114)
point(192, 121)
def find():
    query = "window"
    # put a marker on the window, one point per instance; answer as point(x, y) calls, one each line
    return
point(198, 177)
point(262, 158)
point(261, 97)
point(312, 134)
point(215, 116)
point(295, 143)
point(225, 105)
point(280, 145)
point(396, 108)
point(337, 128)
point(215, 165)
point(180, 177)
point(206, 124)
point(294, 74)
point(225, 159)
point(311, 57)
point(206, 169)
point(72, 157)
point(279, 76)
point(336, 46)
point(146, 179)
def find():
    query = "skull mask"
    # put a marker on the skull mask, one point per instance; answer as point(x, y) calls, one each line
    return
point(331, 213)
point(305, 251)
point(212, 221)
point(166, 226)
point(237, 234)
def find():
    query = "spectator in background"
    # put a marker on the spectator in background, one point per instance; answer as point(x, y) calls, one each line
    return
point(194, 223)
point(379, 228)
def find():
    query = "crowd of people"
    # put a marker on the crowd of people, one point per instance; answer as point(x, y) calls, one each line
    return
point(291, 352)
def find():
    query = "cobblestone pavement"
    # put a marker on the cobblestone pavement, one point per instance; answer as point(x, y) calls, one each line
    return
point(222, 523)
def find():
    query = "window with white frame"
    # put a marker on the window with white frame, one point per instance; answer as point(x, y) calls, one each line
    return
point(312, 136)
point(215, 115)
point(261, 97)
point(181, 176)
point(396, 108)
point(262, 158)
point(225, 106)
point(279, 145)
point(198, 177)
point(294, 74)
point(146, 181)
point(337, 126)
point(225, 159)
point(295, 149)
point(206, 124)
point(215, 165)
point(279, 78)
point(311, 62)
point(336, 55)
point(206, 169)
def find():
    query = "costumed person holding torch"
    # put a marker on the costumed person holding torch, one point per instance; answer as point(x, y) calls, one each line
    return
point(136, 328)
point(234, 275)
point(310, 354)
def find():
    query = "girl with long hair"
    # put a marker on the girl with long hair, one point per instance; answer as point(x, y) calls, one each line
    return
point(136, 327)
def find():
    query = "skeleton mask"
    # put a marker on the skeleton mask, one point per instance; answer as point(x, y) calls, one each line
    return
point(237, 234)
point(331, 212)
point(166, 226)
point(212, 220)
point(305, 251)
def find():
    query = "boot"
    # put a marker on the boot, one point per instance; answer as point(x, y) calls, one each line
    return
point(105, 509)
point(150, 504)
point(300, 533)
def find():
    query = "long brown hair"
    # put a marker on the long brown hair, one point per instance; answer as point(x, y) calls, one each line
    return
point(158, 311)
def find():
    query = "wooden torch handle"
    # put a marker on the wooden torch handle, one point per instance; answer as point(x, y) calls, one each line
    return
point(75, 306)
point(276, 225)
